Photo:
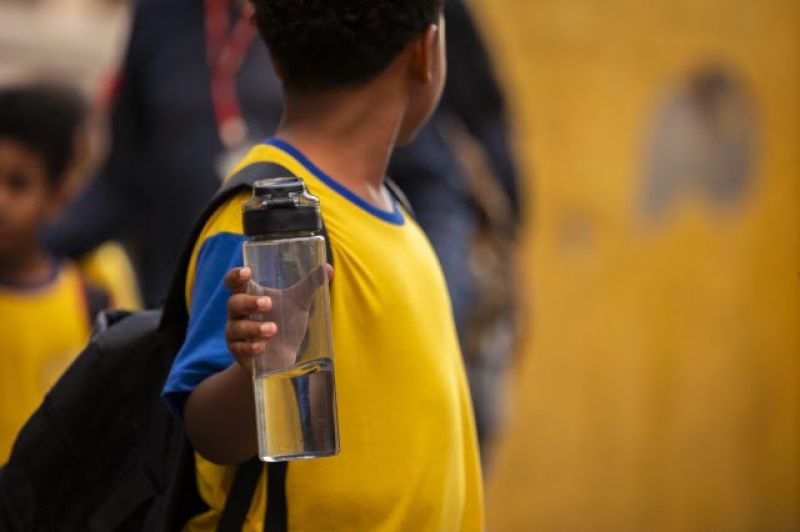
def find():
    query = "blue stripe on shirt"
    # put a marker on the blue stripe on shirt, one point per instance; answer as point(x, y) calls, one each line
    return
point(204, 352)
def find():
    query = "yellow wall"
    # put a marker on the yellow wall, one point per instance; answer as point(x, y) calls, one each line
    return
point(658, 386)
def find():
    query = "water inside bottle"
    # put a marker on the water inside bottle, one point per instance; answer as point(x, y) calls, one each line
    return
point(296, 412)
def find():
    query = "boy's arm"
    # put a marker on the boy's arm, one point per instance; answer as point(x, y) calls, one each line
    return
point(219, 413)
point(220, 417)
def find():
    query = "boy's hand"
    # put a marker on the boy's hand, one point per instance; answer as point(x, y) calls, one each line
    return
point(248, 338)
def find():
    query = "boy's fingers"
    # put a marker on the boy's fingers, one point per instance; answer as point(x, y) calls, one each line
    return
point(245, 331)
point(236, 280)
point(243, 352)
point(243, 305)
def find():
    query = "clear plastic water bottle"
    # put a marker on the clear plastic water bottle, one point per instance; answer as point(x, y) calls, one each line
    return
point(293, 381)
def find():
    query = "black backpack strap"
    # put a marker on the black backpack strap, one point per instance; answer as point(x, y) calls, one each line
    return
point(276, 519)
point(241, 493)
point(240, 496)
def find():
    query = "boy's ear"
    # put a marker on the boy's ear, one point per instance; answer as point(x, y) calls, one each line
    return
point(424, 51)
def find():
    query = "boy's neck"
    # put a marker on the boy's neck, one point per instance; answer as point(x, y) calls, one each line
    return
point(350, 134)
point(30, 268)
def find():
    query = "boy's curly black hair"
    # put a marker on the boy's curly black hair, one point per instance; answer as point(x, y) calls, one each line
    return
point(43, 117)
point(323, 44)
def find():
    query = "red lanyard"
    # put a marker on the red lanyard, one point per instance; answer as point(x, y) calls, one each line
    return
point(226, 51)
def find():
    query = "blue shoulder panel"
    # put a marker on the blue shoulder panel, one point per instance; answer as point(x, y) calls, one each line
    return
point(204, 351)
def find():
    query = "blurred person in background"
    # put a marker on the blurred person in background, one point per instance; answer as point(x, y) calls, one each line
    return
point(189, 84)
point(192, 96)
point(47, 305)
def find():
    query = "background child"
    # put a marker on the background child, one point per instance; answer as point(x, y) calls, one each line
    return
point(46, 304)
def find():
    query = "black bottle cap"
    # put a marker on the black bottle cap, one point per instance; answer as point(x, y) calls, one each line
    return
point(280, 206)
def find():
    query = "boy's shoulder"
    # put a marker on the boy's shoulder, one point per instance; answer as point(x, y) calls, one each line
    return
point(352, 224)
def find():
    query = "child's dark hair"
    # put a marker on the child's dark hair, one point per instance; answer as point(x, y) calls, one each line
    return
point(323, 44)
point(43, 117)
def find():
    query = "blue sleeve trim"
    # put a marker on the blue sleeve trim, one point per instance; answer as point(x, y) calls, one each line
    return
point(204, 351)
point(394, 216)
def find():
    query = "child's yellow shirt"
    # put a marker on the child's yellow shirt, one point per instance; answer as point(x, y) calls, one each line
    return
point(42, 329)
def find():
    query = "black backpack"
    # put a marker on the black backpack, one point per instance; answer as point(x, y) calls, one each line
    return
point(102, 452)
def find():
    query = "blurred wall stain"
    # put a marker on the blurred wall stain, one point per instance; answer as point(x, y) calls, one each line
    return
point(659, 388)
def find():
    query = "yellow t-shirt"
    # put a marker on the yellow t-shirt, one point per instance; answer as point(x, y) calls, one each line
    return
point(409, 458)
point(42, 329)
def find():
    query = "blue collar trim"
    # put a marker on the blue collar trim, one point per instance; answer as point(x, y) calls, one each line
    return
point(394, 216)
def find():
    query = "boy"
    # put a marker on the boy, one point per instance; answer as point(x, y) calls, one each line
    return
point(45, 304)
point(360, 77)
